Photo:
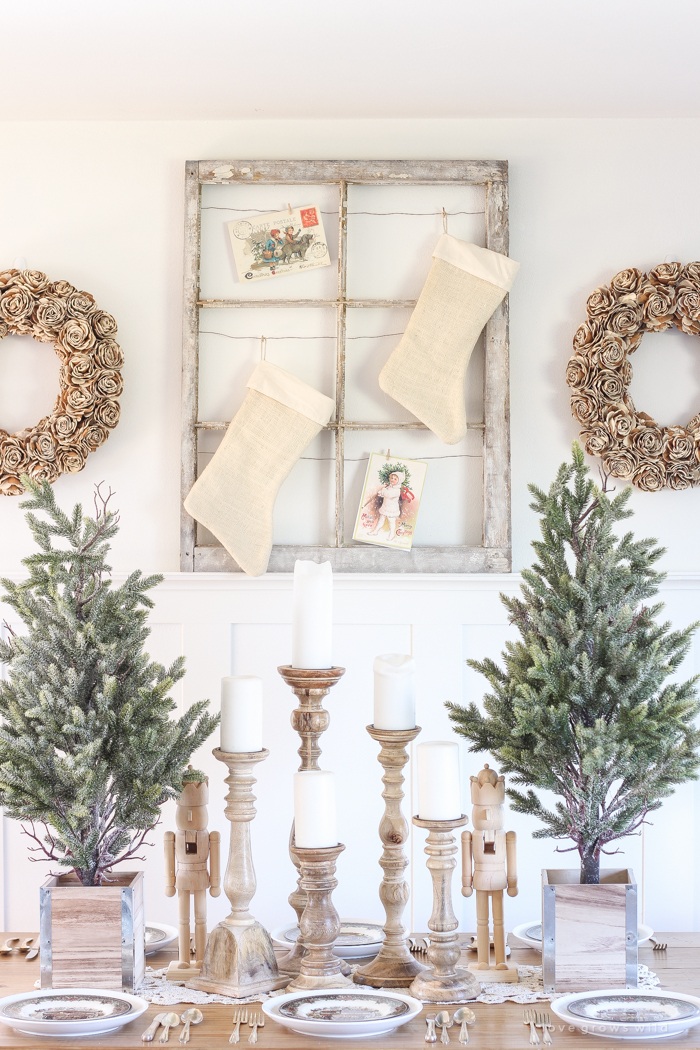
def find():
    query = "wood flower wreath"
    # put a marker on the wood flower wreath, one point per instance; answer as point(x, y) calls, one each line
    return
point(631, 444)
point(86, 408)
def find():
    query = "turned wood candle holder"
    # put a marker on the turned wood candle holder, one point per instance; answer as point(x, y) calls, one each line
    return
point(310, 720)
point(239, 959)
point(319, 923)
point(443, 981)
point(394, 966)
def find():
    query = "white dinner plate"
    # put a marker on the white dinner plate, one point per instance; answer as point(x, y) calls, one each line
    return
point(342, 1014)
point(628, 1013)
point(357, 939)
point(158, 936)
point(70, 1012)
point(531, 933)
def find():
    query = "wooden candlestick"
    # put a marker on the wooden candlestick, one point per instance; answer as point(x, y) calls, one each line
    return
point(239, 959)
point(443, 981)
point(310, 719)
point(319, 923)
point(394, 966)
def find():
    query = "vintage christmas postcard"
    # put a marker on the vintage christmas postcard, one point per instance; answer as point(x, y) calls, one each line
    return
point(279, 243)
point(390, 501)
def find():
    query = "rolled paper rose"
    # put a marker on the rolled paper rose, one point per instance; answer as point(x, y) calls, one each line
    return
point(619, 422)
point(584, 406)
point(77, 334)
point(109, 384)
point(688, 311)
point(71, 460)
point(16, 307)
point(107, 413)
point(621, 463)
point(650, 477)
point(577, 371)
point(7, 277)
point(62, 288)
point(612, 350)
point(680, 446)
point(587, 334)
point(608, 384)
point(103, 324)
point(666, 273)
point(41, 470)
point(626, 319)
point(93, 435)
point(596, 440)
point(109, 354)
point(627, 281)
point(599, 302)
point(64, 426)
point(13, 455)
point(10, 486)
point(34, 281)
point(681, 476)
point(41, 446)
point(80, 399)
point(659, 308)
point(647, 441)
point(49, 314)
point(80, 304)
point(81, 367)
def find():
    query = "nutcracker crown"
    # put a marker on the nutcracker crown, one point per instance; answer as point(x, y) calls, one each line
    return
point(488, 789)
point(194, 793)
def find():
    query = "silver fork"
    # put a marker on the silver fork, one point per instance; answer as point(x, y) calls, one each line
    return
point(543, 1021)
point(529, 1018)
point(256, 1021)
point(659, 946)
point(239, 1017)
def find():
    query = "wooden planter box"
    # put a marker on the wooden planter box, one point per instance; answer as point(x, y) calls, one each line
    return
point(589, 933)
point(92, 936)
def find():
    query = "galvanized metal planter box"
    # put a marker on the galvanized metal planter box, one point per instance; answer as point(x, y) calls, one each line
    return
point(589, 933)
point(92, 936)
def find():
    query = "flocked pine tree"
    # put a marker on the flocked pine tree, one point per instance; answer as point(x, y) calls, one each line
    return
point(88, 748)
point(586, 705)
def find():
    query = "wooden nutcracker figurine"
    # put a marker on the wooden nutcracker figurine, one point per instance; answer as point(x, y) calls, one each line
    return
point(186, 857)
point(489, 867)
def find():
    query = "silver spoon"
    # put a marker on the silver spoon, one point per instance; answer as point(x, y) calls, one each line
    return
point(153, 1027)
point(191, 1016)
point(443, 1022)
point(464, 1016)
point(171, 1020)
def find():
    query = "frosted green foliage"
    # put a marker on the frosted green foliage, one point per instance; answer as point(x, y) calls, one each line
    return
point(586, 704)
point(88, 748)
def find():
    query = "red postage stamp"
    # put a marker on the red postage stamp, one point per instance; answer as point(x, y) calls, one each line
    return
point(309, 217)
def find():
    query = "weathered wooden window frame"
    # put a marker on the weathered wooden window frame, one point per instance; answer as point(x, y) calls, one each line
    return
point(494, 553)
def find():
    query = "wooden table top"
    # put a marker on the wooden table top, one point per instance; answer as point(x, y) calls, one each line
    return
point(498, 1027)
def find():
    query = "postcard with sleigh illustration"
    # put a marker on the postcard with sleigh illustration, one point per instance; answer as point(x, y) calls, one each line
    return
point(279, 243)
point(390, 501)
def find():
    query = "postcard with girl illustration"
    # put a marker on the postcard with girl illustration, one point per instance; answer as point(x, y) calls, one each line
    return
point(390, 501)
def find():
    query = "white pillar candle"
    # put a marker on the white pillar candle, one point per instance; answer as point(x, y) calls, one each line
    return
point(312, 622)
point(241, 713)
point(314, 809)
point(394, 692)
point(439, 789)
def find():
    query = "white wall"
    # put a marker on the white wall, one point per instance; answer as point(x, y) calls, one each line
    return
point(101, 205)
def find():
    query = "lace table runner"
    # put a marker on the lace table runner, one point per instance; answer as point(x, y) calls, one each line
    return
point(529, 989)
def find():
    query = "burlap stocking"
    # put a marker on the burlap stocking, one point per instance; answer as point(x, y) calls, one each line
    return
point(235, 495)
point(426, 371)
